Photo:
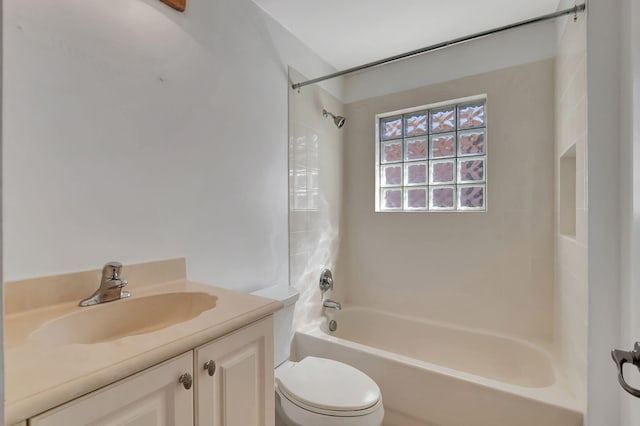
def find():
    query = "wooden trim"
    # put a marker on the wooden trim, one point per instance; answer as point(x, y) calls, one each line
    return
point(180, 5)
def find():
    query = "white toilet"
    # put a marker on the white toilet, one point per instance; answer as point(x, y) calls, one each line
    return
point(317, 391)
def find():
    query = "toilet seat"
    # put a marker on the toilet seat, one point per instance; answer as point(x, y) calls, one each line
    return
point(329, 387)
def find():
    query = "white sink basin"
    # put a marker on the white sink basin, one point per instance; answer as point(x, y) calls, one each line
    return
point(122, 318)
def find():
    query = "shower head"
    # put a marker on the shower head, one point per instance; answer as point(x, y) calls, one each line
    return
point(337, 119)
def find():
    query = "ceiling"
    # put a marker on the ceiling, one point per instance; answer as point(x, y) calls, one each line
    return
point(346, 33)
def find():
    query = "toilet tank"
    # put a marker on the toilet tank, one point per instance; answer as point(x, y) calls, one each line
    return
point(282, 319)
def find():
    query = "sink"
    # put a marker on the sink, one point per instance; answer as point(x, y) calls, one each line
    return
point(122, 318)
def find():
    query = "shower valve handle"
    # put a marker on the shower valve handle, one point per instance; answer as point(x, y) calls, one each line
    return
point(326, 281)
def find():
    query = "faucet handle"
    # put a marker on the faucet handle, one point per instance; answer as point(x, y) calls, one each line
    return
point(118, 284)
point(112, 270)
point(326, 281)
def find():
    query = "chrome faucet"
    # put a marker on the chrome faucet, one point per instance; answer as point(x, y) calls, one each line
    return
point(110, 286)
point(332, 304)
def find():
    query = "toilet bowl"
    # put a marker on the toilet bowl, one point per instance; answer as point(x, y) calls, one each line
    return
point(317, 391)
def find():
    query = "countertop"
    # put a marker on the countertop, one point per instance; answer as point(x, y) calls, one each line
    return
point(41, 375)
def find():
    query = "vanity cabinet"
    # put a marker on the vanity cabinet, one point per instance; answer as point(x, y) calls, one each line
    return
point(152, 397)
point(226, 382)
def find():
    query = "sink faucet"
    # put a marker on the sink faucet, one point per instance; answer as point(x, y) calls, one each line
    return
point(332, 304)
point(110, 286)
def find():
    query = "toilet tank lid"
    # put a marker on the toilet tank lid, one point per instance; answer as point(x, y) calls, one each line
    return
point(282, 293)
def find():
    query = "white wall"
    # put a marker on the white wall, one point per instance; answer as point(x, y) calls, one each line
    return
point(604, 176)
point(630, 201)
point(315, 189)
point(489, 270)
point(571, 289)
point(2, 393)
point(135, 133)
point(518, 46)
point(613, 90)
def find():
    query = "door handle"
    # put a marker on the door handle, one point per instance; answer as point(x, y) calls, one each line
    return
point(623, 357)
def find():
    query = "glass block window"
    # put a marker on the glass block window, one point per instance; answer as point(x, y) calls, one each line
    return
point(433, 157)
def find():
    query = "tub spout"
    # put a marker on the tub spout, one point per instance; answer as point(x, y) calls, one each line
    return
point(331, 304)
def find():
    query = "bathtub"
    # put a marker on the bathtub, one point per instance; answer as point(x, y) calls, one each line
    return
point(434, 373)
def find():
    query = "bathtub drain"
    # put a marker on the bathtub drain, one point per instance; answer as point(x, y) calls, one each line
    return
point(333, 326)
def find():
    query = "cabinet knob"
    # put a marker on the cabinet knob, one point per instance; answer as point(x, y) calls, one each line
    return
point(210, 366)
point(186, 380)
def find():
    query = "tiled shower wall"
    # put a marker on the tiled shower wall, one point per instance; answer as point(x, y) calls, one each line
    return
point(491, 270)
point(315, 195)
point(571, 247)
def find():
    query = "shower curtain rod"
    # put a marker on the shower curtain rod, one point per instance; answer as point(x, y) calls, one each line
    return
point(573, 10)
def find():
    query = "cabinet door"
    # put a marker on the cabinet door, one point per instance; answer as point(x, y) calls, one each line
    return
point(153, 397)
point(241, 390)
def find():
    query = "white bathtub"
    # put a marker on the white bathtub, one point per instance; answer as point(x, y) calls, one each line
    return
point(438, 374)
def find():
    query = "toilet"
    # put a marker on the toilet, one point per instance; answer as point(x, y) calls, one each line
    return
point(317, 391)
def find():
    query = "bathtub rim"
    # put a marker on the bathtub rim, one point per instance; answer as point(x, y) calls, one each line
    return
point(545, 347)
